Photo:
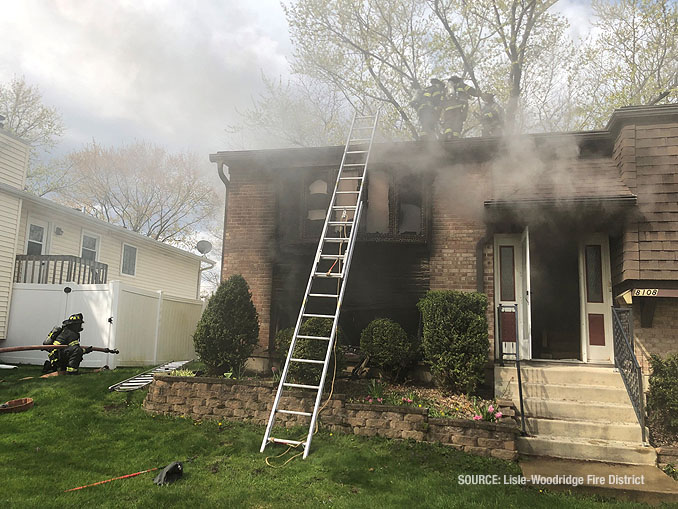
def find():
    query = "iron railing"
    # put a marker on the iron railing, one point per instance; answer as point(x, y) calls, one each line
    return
point(58, 269)
point(515, 355)
point(626, 362)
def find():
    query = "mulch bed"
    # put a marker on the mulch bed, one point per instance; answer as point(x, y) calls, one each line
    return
point(659, 435)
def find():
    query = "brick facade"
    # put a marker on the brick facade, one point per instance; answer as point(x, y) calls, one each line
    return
point(249, 240)
point(662, 337)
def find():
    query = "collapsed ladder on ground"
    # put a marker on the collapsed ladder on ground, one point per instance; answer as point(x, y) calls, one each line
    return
point(143, 379)
point(327, 281)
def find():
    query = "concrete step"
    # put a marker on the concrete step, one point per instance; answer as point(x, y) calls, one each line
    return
point(580, 411)
point(575, 392)
point(585, 429)
point(587, 449)
point(579, 374)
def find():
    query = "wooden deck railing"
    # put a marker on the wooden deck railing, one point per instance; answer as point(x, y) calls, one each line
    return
point(58, 269)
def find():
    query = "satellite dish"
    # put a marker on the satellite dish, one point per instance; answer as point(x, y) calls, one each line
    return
point(203, 247)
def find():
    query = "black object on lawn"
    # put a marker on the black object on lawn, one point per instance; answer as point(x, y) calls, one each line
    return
point(169, 474)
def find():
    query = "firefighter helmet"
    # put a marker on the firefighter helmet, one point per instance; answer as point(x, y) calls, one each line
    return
point(76, 318)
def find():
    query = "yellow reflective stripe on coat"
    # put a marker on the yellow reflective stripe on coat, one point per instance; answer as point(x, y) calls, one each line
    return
point(68, 368)
point(74, 343)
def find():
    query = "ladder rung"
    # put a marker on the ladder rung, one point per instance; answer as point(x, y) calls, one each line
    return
point(348, 192)
point(294, 412)
point(347, 207)
point(346, 165)
point(356, 152)
point(332, 256)
point(330, 275)
point(299, 336)
point(284, 441)
point(339, 222)
point(350, 178)
point(315, 315)
point(336, 239)
point(302, 386)
point(364, 117)
point(329, 295)
point(362, 127)
point(308, 361)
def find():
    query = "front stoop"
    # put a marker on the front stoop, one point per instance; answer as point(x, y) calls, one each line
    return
point(575, 412)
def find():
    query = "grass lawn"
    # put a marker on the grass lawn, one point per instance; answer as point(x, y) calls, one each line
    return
point(79, 433)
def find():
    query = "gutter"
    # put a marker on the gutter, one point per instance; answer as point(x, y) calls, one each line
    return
point(225, 179)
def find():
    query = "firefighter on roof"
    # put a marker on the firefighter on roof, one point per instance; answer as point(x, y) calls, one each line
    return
point(463, 93)
point(452, 115)
point(66, 359)
point(427, 102)
point(491, 116)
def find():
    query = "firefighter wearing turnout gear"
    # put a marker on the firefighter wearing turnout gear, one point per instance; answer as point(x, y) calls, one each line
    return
point(427, 102)
point(463, 93)
point(452, 115)
point(491, 116)
point(66, 359)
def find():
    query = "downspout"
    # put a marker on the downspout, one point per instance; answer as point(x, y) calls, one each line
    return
point(226, 180)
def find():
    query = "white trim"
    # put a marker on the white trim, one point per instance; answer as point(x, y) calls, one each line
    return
point(96, 236)
point(122, 257)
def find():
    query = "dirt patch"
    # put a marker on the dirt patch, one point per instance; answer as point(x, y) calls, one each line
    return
point(659, 435)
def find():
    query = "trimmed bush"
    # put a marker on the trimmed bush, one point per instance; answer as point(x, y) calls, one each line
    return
point(228, 330)
point(310, 349)
point(454, 340)
point(388, 346)
point(662, 399)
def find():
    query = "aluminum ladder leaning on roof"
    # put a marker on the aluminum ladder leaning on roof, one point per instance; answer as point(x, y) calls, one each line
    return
point(143, 379)
point(331, 265)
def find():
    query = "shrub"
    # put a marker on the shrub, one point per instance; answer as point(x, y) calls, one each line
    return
point(454, 340)
point(388, 346)
point(228, 329)
point(662, 400)
point(310, 349)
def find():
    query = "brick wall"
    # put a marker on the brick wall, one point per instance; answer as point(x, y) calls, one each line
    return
point(456, 228)
point(662, 337)
point(249, 240)
point(234, 400)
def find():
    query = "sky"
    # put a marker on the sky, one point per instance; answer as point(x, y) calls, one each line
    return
point(173, 72)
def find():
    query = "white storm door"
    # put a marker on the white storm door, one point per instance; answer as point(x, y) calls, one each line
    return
point(596, 299)
point(526, 340)
point(510, 284)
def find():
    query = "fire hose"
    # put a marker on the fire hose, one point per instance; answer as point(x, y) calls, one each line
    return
point(9, 349)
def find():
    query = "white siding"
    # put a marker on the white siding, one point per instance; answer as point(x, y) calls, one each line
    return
point(13, 163)
point(156, 269)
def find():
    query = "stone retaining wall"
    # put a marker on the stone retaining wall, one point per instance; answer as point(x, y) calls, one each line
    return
point(666, 455)
point(231, 400)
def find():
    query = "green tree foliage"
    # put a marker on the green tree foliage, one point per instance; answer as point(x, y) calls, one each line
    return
point(662, 400)
point(228, 329)
point(454, 341)
point(310, 349)
point(388, 346)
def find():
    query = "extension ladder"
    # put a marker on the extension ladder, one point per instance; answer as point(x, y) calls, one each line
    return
point(143, 379)
point(327, 281)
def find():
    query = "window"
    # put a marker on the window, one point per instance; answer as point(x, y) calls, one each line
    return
point(409, 205)
point(594, 277)
point(378, 183)
point(90, 247)
point(507, 280)
point(37, 238)
point(129, 260)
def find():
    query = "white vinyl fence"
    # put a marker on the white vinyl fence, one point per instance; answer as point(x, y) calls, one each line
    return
point(147, 327)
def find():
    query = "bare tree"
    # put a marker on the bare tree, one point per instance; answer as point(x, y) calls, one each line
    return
point(41, 126)
point(144, 189)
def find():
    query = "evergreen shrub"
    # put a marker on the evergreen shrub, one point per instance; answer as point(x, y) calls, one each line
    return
point(388, 346)
point(454, 340)
point(228, 330)
point(662, 399)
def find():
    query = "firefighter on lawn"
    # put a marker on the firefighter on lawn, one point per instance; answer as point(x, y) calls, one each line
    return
point(66, 359)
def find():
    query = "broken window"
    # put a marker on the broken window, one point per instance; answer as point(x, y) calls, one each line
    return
point(409, 218)
point(378, 202)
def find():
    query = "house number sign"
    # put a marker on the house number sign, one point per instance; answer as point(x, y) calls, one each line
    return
point(645, 292)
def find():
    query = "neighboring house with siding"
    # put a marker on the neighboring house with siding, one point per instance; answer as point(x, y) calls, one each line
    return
point(44, 245)
point(555, 229)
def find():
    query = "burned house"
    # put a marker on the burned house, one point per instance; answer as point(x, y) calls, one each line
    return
point(560, 226)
